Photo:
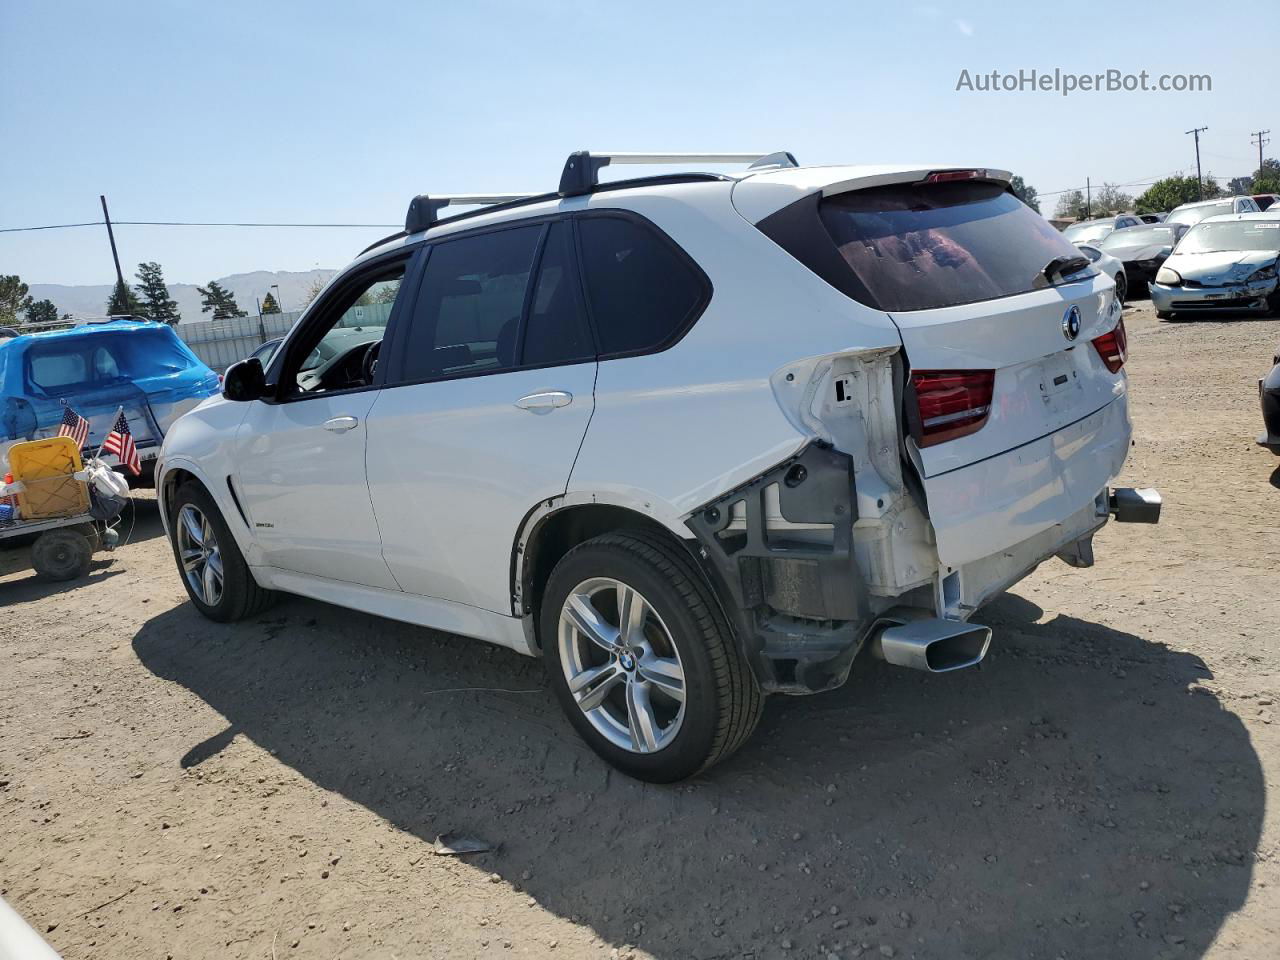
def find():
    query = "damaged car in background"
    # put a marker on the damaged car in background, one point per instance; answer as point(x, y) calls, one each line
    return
point(692, 439)
point(137, 367)
point(1224, 264)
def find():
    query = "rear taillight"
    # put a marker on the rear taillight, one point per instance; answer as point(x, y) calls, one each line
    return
point(952, 403)
point(1113, 347)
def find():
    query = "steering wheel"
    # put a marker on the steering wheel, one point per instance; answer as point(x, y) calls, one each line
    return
point(369, 365)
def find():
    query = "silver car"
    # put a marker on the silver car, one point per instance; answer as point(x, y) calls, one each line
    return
point(1223, 264)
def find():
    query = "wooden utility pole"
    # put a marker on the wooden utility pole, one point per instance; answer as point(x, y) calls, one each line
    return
point(1257, 138)
point(1088, 199)
point(112, 237)
point(1199, 180)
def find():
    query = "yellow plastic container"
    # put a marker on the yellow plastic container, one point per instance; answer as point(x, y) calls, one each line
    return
point(45, 468)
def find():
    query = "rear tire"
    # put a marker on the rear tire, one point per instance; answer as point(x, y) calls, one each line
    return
point(1122, 287)
point(213, 570)
point(678, 632)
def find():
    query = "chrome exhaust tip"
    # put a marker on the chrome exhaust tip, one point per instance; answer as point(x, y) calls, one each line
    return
point(934, 646)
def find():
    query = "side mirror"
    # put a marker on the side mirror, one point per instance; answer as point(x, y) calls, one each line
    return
point(245, 381)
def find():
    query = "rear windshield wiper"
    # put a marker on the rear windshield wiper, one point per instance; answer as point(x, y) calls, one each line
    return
point(1061, 266)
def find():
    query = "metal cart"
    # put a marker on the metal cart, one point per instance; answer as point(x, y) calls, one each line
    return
point(64, 546)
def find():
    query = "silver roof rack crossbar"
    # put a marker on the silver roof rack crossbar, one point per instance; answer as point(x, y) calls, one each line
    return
point(425, 210)
point(582, 170)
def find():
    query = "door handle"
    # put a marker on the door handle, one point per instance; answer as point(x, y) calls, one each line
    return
point(341, 424)
point(545, 402)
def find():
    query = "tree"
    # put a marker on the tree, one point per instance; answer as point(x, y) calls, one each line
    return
point(41, 311)
point(151, 286)
point(313, 290)
point(1266, 179)
point(1109, 200)
point(123, 301)
point(1026, 193)
point(13, 297)
point(1071, 205)
point(1239, 185)
point(269, 304)
point(220, 300)
point(1172, 192)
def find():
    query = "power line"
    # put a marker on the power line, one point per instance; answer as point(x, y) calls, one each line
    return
point(193, 223)
point(51, 226)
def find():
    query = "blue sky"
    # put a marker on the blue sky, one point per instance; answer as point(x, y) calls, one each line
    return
point(340, 112)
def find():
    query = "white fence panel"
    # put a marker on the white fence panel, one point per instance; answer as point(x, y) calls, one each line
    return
point(220, 343)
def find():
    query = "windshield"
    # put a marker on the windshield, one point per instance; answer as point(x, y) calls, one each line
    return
point(1231, 236)
point(1191, 215)
point(920, 246)
point(340, 340)
point(1090, 232)
point(1138, 236)
point(66, 364)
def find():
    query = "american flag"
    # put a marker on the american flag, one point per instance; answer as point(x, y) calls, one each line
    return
point(74, 426)
point(120, 442)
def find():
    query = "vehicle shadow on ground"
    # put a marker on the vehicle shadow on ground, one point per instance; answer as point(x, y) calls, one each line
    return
point(1073, 797)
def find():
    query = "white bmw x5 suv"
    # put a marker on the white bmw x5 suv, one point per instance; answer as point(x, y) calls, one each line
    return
point(692, 439)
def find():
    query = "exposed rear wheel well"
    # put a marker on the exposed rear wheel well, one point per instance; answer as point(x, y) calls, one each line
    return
point(563, 530)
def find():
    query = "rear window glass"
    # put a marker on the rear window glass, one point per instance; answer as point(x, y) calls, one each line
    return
point(1195, 214)
point(1089, 232)
point(74, 363)
point(1134, 236)
point(920, 246)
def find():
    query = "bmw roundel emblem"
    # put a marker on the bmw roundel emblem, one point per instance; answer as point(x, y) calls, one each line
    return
point(1071, 323)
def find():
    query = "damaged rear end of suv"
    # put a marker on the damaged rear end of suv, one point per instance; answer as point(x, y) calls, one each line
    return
point(940, 473)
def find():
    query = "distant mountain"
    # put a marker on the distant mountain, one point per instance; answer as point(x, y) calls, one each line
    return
point(91, 301)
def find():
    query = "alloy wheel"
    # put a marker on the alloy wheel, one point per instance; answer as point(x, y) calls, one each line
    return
point(200, 555)
point(621, 665)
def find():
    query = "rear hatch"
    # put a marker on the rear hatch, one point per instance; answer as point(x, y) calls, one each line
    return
point(1011, 410)
point(144, 370)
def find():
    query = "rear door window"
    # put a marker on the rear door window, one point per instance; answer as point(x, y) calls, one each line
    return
point(557, 330)
point(642, 292)
point(921, 246)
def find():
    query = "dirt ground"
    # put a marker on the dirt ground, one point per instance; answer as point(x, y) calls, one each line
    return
point(170, 787)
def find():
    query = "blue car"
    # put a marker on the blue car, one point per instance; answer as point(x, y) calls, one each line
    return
point(96, 369)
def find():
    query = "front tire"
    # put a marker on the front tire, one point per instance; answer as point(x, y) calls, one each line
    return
point(213, 570)
point(641, 659)
point(1164, 314)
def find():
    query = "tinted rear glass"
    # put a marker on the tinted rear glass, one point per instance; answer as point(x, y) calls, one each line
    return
point(919, 246)
point(642, 293)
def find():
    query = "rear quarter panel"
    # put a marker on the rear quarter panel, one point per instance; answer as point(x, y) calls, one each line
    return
point(674, 429)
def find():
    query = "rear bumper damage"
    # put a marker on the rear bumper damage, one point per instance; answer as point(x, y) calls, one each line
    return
point(801, 604)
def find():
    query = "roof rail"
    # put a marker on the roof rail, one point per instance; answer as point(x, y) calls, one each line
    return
point(582, 170)
point(424, 210)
